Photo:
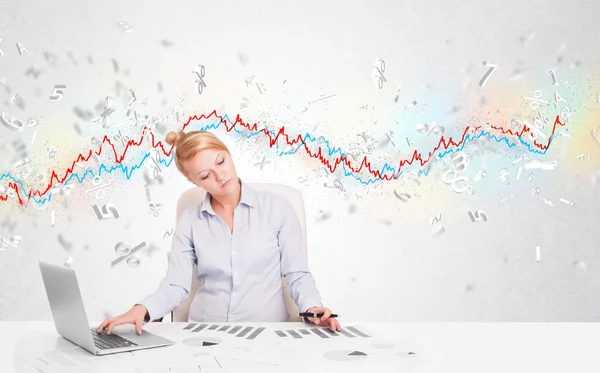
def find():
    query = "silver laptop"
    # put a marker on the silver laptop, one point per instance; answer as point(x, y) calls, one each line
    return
point(71, 321)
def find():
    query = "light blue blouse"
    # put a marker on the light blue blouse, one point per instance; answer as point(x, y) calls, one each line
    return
point(240, 272)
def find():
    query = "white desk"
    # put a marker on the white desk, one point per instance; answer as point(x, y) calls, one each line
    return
point(437, 347)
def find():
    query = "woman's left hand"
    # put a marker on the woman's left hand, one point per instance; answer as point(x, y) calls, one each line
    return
point(324, 320)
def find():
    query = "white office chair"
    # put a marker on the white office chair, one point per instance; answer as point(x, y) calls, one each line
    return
point(194, 196)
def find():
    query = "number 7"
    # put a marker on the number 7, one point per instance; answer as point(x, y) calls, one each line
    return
point(488, 73)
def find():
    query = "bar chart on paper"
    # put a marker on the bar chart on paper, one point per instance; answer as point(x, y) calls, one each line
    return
point(253, 332)
point(323, 333)
point(239, 331)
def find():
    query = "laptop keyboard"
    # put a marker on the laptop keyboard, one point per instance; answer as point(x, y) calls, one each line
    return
point(106, 341)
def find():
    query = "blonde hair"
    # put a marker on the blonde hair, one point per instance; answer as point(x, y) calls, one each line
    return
point(187, 145)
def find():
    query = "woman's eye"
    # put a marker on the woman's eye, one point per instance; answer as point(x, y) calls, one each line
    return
point(204, 177)
point(221, 161)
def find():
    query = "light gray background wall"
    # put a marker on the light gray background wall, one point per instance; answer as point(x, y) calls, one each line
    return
point(373, 256)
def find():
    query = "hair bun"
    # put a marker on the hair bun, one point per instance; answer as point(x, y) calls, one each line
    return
point(174, 137)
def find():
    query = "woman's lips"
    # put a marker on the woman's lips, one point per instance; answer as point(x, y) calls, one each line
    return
point(225, 183)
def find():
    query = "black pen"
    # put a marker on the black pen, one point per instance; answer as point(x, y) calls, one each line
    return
point(314, 314)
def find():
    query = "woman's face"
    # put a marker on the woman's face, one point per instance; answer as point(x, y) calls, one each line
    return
point(213, 171)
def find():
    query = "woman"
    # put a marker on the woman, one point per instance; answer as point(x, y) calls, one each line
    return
point(242, 241)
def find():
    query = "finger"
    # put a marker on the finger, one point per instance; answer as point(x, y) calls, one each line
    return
point(313, 310)
point(100, 326)
point(315, 320)
point(326, 314)
point(333, 325)
point(103, 325)
point(111, 326)
point(138, 326)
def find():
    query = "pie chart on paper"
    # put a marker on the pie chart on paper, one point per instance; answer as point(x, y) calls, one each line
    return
point(202, 342)
point(345, 355)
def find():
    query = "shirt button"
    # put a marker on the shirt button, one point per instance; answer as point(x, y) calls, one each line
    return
point(235, 273)
point(233, 253)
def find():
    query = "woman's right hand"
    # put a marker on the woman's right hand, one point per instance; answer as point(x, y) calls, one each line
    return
point(134, 316)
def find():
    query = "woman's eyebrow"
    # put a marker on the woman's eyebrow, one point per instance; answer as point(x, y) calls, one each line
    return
point(217, 157)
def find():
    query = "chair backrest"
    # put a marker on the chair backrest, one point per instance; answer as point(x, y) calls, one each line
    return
point(194, 196)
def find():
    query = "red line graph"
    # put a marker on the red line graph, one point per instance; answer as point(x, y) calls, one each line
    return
point(290, 140)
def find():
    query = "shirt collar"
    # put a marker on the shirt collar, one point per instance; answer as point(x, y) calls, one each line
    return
point(247, 197)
